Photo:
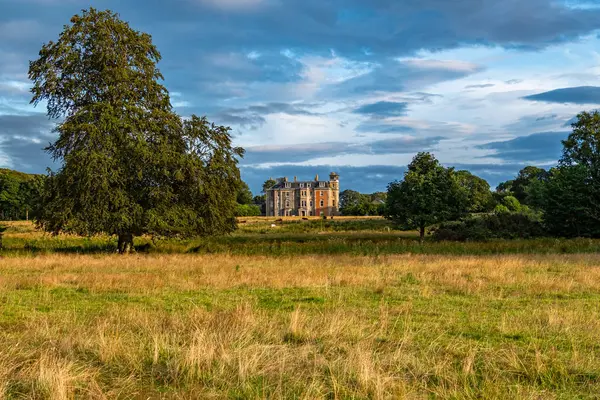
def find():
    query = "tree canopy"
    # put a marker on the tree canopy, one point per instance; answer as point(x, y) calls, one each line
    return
point(428, 194)
point(130, 165)
point(570, 198)
point(19, 194)
point(355, 203)
point(479, 196)
point(244, 195)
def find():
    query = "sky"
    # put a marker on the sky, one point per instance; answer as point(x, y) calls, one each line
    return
point(352, 86)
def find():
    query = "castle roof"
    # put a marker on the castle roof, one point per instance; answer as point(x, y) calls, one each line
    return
point(300, 185)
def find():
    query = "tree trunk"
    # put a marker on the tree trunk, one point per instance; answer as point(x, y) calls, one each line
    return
point(125, 245)
point(422, 233)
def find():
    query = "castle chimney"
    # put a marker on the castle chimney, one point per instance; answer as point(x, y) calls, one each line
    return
point(317, 177)
point(295, 179)
point(285, 179)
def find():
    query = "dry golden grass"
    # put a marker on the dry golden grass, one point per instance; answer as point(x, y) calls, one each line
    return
point(184, 326)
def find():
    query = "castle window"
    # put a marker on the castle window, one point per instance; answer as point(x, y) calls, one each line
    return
point(321, 193)
point(288, 185)
point(302, 185)
point(287, 204)
point(322, 204)
point(287, 194)
point(334, 203)
point(308, 185)
point(321, 184)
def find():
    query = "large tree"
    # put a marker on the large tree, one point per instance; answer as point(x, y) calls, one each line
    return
point(130, 165)
point(428, 194)
point(570, 198)
point(582, 147)
point(568, 203)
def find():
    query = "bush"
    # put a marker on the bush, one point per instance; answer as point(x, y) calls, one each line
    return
point(503, 225)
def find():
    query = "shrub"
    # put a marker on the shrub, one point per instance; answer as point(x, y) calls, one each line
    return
point(503, 225)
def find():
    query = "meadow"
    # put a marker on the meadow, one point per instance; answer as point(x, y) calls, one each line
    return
point(376, 318)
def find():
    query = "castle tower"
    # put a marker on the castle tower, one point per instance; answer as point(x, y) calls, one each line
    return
point(334, 184)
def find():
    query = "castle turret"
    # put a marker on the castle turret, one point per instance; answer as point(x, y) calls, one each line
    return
point(334, 184)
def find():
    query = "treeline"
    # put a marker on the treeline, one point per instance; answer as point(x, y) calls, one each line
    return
point(561, 202)
point(249, 205)
point(359, 204)
point(19, 194)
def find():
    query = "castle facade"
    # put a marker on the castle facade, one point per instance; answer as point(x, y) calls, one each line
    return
point(304, 198)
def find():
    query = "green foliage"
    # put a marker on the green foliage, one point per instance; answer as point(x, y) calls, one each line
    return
point(244, 195)
point(501, 209)
point(269, 183)
point(429, 194)
point(19, 194)
point(527, 177)
point(479, 196)
point(570, 198)
point(505, 187)
point(131, 166)
point(499, 225)
point(572, 203)
point(358, 204)
point(511, 203)
point(247, 210)
point(582, 147)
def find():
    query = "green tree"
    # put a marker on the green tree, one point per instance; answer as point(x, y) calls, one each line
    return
point(511, 203)
point(526, 177)
point(19, 194)
point(261, 202)
point(130, 165)
point(247, 210)
point(571, 196)
point(571, 207)
point(479, 196)
point(505, 187)
point(10, 196)
point(244, 195)
point(269, 183)
point(428, 194)
point(349, 201)
point(582, 147)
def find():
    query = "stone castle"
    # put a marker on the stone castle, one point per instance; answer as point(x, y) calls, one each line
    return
point(304, 198)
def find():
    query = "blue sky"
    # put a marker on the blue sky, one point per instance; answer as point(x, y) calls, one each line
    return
point(353, 86)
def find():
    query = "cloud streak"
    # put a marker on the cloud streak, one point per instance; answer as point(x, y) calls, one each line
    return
point(574, 95)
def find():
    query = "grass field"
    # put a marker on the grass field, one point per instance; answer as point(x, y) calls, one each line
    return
point(360, 236)
point(228, 325)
